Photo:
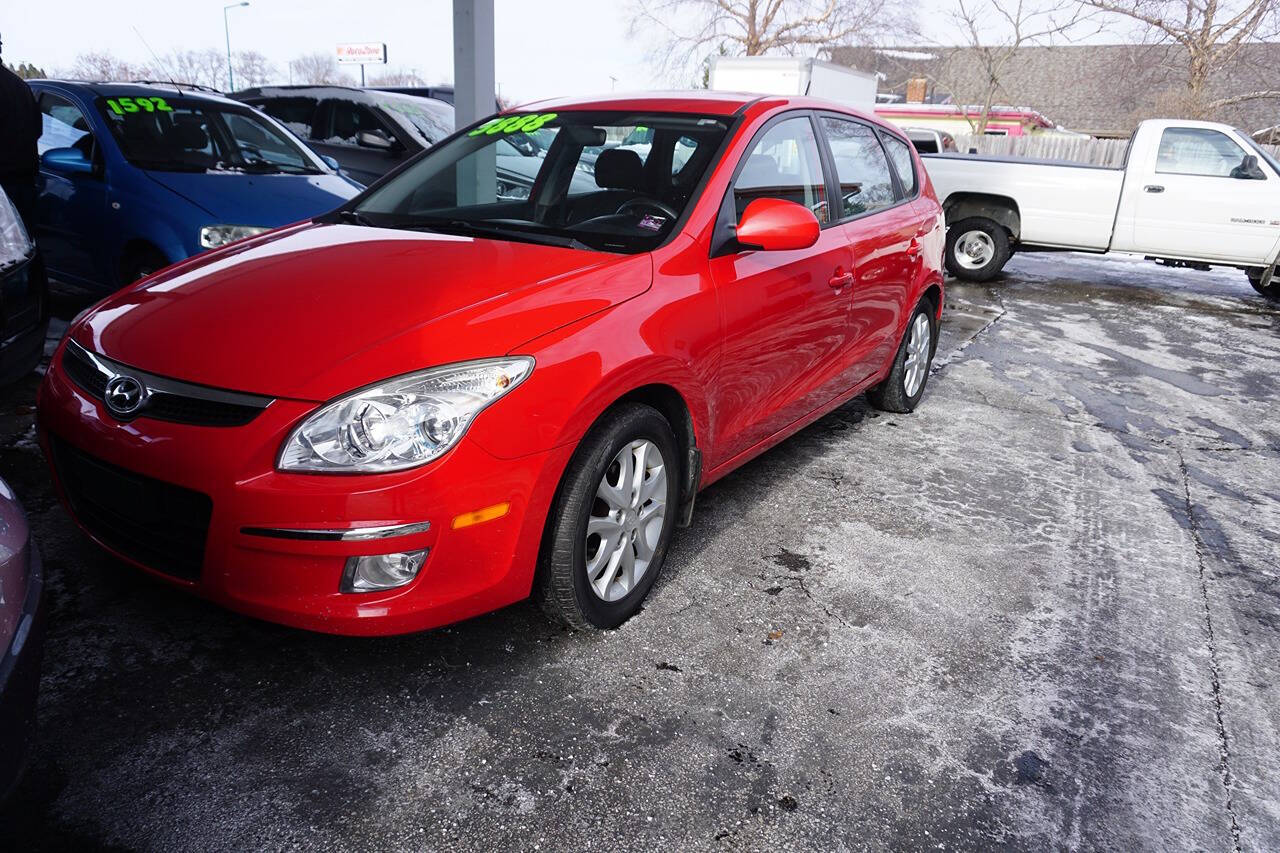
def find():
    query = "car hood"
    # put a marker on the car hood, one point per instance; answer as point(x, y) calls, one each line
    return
point(233, 198)
point(315, 310)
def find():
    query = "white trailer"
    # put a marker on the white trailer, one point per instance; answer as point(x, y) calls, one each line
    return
point(790, 75)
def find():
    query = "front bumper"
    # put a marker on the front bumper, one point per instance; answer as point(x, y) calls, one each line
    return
point(296, 580)
point(20, 680)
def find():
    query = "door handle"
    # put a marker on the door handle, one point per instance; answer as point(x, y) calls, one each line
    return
point(840, 279)
point(913, 250)
point(1154, 188)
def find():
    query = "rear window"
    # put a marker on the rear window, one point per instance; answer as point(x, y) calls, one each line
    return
point(904, 164)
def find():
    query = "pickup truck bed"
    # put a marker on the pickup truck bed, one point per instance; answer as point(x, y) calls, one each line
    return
point(1061, 205)
point(1191, 193)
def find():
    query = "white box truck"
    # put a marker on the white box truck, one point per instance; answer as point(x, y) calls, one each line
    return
point(790, 75)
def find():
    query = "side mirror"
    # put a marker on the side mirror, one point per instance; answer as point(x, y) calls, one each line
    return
point(1249, 169)
point(773, 224)
point(331, 162)
point(369, 139)
point(68, 160)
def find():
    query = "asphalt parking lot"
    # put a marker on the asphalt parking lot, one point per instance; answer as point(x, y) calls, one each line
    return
point(1043, 611)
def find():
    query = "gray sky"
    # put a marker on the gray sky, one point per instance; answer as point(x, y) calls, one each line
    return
point(544, 47)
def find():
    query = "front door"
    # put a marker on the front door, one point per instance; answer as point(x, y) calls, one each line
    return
point(784, 313)
point(71, 207)
point(338, 133)
point(1193, 201)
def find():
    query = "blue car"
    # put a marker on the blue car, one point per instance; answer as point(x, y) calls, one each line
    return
point(134, 177)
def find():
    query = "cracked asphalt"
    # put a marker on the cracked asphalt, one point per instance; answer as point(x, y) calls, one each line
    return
point(1041, 612)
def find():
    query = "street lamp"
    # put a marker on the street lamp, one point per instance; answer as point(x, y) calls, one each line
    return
point(226, 27)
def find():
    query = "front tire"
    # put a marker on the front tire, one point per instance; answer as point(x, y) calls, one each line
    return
point(1272, 290)
point(902, 389)
point(611, 521)
point(977, 249)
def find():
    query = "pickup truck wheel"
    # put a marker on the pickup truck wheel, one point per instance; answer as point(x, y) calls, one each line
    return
point(611, 521)
point(977, 249)
point(902, 389)
point(1272, 290)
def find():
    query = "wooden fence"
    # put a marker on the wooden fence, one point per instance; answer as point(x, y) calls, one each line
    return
point(1077, 149)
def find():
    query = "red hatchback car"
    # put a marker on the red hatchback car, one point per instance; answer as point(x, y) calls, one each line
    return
point(506, 368)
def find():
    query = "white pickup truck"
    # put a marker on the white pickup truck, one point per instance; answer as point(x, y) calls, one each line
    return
point(1191, 193)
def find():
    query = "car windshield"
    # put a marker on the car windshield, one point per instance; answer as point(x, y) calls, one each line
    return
point(188, 135)
point(430, 121)
point(1262, 152)
point(569, 178)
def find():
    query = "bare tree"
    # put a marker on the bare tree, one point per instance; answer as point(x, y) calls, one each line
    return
point(206, 67)
point(104, 66)
point(1206, 37)
point(397, 78)
point(318, 69)
point(686, 31)
point(253, 69)
point(994, 31)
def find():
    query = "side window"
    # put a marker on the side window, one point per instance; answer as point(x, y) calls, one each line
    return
point(1198, 151)
point(350, 120)
point(784, 163)
point(64, 126)
point(904, 166)
point(861, 167)
point(294, 113)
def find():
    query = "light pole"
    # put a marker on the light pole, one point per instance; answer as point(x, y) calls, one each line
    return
point(226, 27)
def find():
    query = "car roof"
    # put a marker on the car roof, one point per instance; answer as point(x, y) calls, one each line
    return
point(126, 90)
point(354, 93)
point(698, 101)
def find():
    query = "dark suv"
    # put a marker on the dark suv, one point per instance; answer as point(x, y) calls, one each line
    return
point(369, 132)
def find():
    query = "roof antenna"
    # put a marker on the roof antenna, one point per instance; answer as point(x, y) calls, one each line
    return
point(160, 66)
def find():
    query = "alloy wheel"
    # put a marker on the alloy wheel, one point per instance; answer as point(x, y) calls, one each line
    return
point(626, 520)
point(919, 339)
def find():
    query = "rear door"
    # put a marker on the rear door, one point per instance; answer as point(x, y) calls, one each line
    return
point(1193, 200)
point(785, 313)
point(876, 215)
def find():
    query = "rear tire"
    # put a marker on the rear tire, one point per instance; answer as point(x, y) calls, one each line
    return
point(902, 389)
point(1272, 290)
point(977, 249)
point(610, 524)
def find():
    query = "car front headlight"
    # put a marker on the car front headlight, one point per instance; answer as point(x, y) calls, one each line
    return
point(403, 422)
point(213, 236)
point(15, 243)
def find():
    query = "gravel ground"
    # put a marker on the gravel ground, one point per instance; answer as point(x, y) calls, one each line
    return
point(1039, 612)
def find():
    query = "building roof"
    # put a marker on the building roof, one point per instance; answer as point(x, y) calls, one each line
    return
point(1077, 86)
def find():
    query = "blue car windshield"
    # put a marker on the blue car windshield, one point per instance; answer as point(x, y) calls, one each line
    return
point(187, 135)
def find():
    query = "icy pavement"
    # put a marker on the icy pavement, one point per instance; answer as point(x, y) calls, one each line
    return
point(1040, 612)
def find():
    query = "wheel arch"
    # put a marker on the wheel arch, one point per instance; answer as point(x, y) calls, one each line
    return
point(998, 208)
point(134, 248)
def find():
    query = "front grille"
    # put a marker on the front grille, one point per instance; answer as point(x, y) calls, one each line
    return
point(160, 525)
point(168, 399)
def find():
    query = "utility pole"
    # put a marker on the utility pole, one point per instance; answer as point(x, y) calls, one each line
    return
point(226, 28)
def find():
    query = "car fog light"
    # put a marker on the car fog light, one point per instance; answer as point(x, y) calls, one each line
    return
point(382, 571)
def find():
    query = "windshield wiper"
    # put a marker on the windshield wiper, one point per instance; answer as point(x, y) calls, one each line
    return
point(494, 229)
point(355, 217)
